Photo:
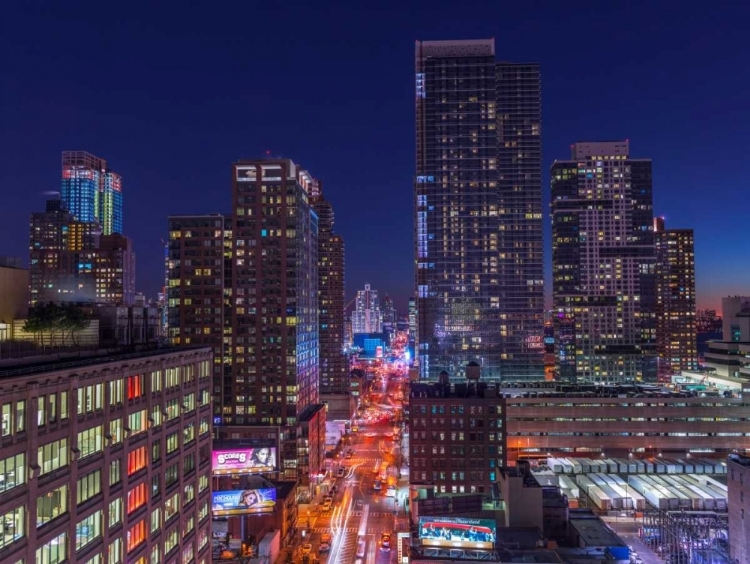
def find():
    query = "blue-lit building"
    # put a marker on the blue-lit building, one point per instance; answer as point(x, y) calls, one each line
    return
point(90, 191)
point(478, 213)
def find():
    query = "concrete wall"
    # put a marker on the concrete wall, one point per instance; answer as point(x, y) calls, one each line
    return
point(14, 294)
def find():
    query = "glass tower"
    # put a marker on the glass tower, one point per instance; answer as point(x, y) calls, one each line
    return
point(90, 191)
point(478, 220)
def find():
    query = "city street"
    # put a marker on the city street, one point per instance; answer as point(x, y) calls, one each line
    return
point(361, 513)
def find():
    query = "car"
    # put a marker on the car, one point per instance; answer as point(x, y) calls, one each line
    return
point(369, 434)
point(385, 542)
point(324, 547)
point(326, 538)
point(359, 503)
point(348, 455)
point(306, 548)
point(361, 546)
point(341, 472)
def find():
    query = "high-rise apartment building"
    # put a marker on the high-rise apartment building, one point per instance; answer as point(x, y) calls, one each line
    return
point(334, 374)
point(389, 311)
point(603, 264)
point(367, 316)
point(676, 337)
point(196, 293)
point(107, 459)
point(247, 284)
point(90, 191)
point(738, 482)
point(47, 243)
point(478, 205)
point(71, 261)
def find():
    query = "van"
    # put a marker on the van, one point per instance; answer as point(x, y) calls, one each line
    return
point(361, 546)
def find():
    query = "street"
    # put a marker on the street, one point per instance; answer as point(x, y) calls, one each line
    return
point(362, 511)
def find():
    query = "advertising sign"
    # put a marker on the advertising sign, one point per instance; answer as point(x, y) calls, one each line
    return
point(243, 502)
point(246, 173)
point(243, 461)
point(457, 532)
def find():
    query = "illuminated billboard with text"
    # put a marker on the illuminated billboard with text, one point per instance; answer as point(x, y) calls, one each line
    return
point(243, 502)
point(457, 532)
point(243, 461)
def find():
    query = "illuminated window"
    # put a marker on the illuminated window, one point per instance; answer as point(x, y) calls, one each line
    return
point(90, 441)
point(12, 471)
point(88, 529)
point(89, 486)
point(54, 552)
point(53, 455)
point(136, 535)
point(115, 512)
point(51, 505)
point(137, 497)
point(135, 386)
point(137, 460)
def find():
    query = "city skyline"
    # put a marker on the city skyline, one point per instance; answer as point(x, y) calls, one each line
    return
point(664, 112)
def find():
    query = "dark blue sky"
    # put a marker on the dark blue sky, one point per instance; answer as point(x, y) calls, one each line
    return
point(171, 93)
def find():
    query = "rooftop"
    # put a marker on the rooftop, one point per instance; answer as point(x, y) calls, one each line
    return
point(23, 367)
point(593, 531)
point(739, 459)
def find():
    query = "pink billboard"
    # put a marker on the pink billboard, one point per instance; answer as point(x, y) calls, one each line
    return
point(243, 461)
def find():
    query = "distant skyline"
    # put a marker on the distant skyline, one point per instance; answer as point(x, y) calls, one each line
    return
point(171, 94)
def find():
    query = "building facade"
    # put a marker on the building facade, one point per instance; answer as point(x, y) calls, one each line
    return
point(72, 261)
point(90, 191)
point(107, 460)
point(676, 336)
point(14, 292)
point(603, 265)
point(620, 422)
point(730, 356)
point(333, 364)
point(196, 293)
point(478, 205)
point(247, 285)
point(367, 316)
point(738, 482)
point(456, 436)
point(47, 243)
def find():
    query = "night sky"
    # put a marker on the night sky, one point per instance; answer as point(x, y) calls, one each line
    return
point(171, 93)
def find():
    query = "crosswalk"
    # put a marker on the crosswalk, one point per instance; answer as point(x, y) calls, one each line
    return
point(370, 530)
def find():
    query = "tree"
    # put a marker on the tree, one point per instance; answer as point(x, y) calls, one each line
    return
point(51, 318)
point(74, 320)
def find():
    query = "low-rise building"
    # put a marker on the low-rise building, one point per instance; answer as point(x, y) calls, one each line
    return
point(107, 459)
point(738, 482)
point(456, 434)
point(623, 420)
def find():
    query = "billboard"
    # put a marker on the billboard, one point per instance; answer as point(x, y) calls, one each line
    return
point(246, 173)
point(243, 502)
point(243, 461)
point(457, 532)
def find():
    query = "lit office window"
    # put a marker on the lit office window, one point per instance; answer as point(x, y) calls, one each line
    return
point(54, 552)
point(89, 529)
point(13, 522)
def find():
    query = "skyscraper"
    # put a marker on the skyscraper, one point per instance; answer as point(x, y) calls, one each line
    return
point(603, 264)
point(90, 191)
point(367, 316)
point(478, 205)
point(676, 337)
point(248, 285)
point(334, 374)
